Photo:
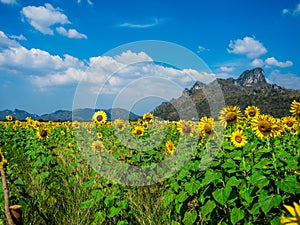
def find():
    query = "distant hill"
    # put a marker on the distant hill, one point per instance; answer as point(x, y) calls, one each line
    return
point(250, 88)
point(66, 115)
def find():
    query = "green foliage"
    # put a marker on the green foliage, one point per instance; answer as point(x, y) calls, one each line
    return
point(54, 184)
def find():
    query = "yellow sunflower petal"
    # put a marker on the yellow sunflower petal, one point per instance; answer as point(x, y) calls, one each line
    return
point(288, 221)
point(297, 210)
point(290, 209)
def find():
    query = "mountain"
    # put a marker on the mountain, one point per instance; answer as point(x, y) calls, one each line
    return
point(250, 88)
point(66, 115)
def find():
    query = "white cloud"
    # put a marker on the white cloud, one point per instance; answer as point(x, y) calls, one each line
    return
point(6, 42)
point(71, 33)
point(274, 62)
point(8, 1)
point(247, 46)
point(226, 69)
point(113, 73)
point(293, 12)
point(154, 23)
point(20, 37)
point(88, 1)
point(257, 63)
point(43, 17)
point(288, 80)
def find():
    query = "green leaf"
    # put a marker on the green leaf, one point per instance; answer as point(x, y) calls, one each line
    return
point(228, 164)
point(258, 179)
point(189, 218)
point(288, 184)
point(123, 204)
point(113, 211)
point(233, 181)
point(192, 187)
point(109, 200)
point(87, 204)
point(100, 217)
point(98, 194)
point(178, 207)
point(19, 181)
point(276, 221)
point(255, 209)
point(210, 176)
point(222, 195)
point(245, 193)
point(123, 222)
point(208, 207)
point(236, 215)
point(182, 196)
point(267, 202)
point(175, 223)
point(89, 183)
point(169, 197)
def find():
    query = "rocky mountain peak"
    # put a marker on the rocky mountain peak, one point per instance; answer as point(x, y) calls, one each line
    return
point(251, 78)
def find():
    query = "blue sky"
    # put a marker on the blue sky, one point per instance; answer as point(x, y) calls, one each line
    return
point(48, 48)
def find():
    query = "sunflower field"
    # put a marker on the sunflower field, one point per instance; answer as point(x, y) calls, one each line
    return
point(240, 168)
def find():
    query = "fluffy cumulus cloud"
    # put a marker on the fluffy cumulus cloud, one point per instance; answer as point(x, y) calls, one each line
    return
point(8, 1)
point(226, 69)
point(257, 63)
point(274, 62)
point(288, 80)
point(112, 72)
point(6, 42)
point(294, 12)
point(247, 46)
point(44, 18)
point(71, 33)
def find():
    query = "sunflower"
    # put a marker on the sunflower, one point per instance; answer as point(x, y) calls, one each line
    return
point(100, 117)
point(295, 212)
point(184, 128)
point(295, 109)
point(290, 122)
point(206, 126)
point(98, 146)
point(230, 115)
point(148, 117)
point(99, 135)
point(43, 133)
point(238, 139)
point(62, 133)
point(252, 111)
point(119, 124)
point(170, 147)
point(9, 117)
point(278, 128)
point(264, 125)
point(138, 130)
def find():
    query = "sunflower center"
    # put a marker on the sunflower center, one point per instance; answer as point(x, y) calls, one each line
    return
point(98, 148)
point(43, 133)
point(120, 126)
point(207, 128)
point(238, 139)
point(252, 113)
point(186, 129)
point(231, 116)
point(298, 112)
point(99, 118)
point(264, 126)
point(139, 132)
point(289, 123)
